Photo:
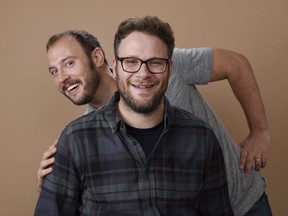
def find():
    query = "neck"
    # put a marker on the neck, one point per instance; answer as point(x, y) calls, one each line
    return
point(139, 120)
point(107, 87)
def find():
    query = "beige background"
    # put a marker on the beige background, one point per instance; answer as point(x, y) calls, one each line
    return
point(33, 113)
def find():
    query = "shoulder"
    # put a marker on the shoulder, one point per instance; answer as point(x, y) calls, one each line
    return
point(185, 118)
point(86, 121)
point(191, 52)
point(193, 65)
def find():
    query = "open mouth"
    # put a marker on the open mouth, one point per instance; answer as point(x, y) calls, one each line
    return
point(72, 87)
point(142, 86)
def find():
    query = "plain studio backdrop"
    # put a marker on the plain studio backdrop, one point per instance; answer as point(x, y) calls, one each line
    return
point(33, 112)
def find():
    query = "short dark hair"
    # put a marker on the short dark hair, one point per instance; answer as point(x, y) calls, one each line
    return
point(88, 41)
point(148, 24)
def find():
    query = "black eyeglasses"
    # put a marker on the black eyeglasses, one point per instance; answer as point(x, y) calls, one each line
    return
point(133, 65)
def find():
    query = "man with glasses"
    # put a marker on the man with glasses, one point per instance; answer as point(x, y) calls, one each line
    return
point(138, 155)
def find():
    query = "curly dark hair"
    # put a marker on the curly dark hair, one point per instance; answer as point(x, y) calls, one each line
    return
point(148, 24)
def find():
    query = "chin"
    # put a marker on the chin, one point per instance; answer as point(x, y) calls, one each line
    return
point(78, 103)
point(75, 100)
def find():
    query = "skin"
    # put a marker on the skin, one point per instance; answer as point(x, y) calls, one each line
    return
point(142, 92)
point(71, 75)
point(228, 65)
point(81, 79)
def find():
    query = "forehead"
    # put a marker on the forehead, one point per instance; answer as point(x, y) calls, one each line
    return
point(63, 48)
point(142, 45)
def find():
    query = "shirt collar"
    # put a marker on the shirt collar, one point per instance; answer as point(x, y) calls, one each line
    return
point(89, 109)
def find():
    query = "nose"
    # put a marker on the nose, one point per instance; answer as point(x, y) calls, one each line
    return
point(143, 71)
point(62, 76)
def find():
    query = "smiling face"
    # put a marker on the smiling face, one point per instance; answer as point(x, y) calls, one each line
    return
point(142, 91)
point(75, 75)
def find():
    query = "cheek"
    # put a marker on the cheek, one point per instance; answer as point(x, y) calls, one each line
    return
point(122, 82)
point(122, 76)
point(79, 71)
point(57, 83)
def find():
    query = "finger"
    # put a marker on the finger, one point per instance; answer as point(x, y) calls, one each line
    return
point(45, 172)
point(264, 159)
point(263, 164)
point(47, 162)
point(245, 162)
point(243, 157)
point(40, 177)
point(38, 185)
point(248, 165)
point(47, 154)
point(54, 144)
point(257, 161)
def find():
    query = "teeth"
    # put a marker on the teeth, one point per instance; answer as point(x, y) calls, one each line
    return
point(143, 86)
point(70, 88)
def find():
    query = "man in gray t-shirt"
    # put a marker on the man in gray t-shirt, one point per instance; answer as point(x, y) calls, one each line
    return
point(190, 67)
point(244, 191)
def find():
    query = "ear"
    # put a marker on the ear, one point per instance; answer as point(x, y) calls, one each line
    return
point(98, 57)
point(170, 68)
point(114, 62)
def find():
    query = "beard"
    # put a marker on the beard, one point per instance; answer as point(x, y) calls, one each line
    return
point(140, 106)
point(91, 85)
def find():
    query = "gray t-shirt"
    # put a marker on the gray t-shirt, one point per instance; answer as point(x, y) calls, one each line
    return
point(192, 67)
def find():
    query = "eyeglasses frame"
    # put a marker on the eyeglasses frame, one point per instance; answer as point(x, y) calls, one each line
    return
point(143, 62)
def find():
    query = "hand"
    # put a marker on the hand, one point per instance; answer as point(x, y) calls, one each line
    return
point(254, 151)
point(45, 165)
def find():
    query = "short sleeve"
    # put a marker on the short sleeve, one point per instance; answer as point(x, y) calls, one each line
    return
point(194, 65)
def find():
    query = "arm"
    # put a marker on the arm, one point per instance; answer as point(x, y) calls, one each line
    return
point(236, 69)
point(45, 165)
point(60, 192)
